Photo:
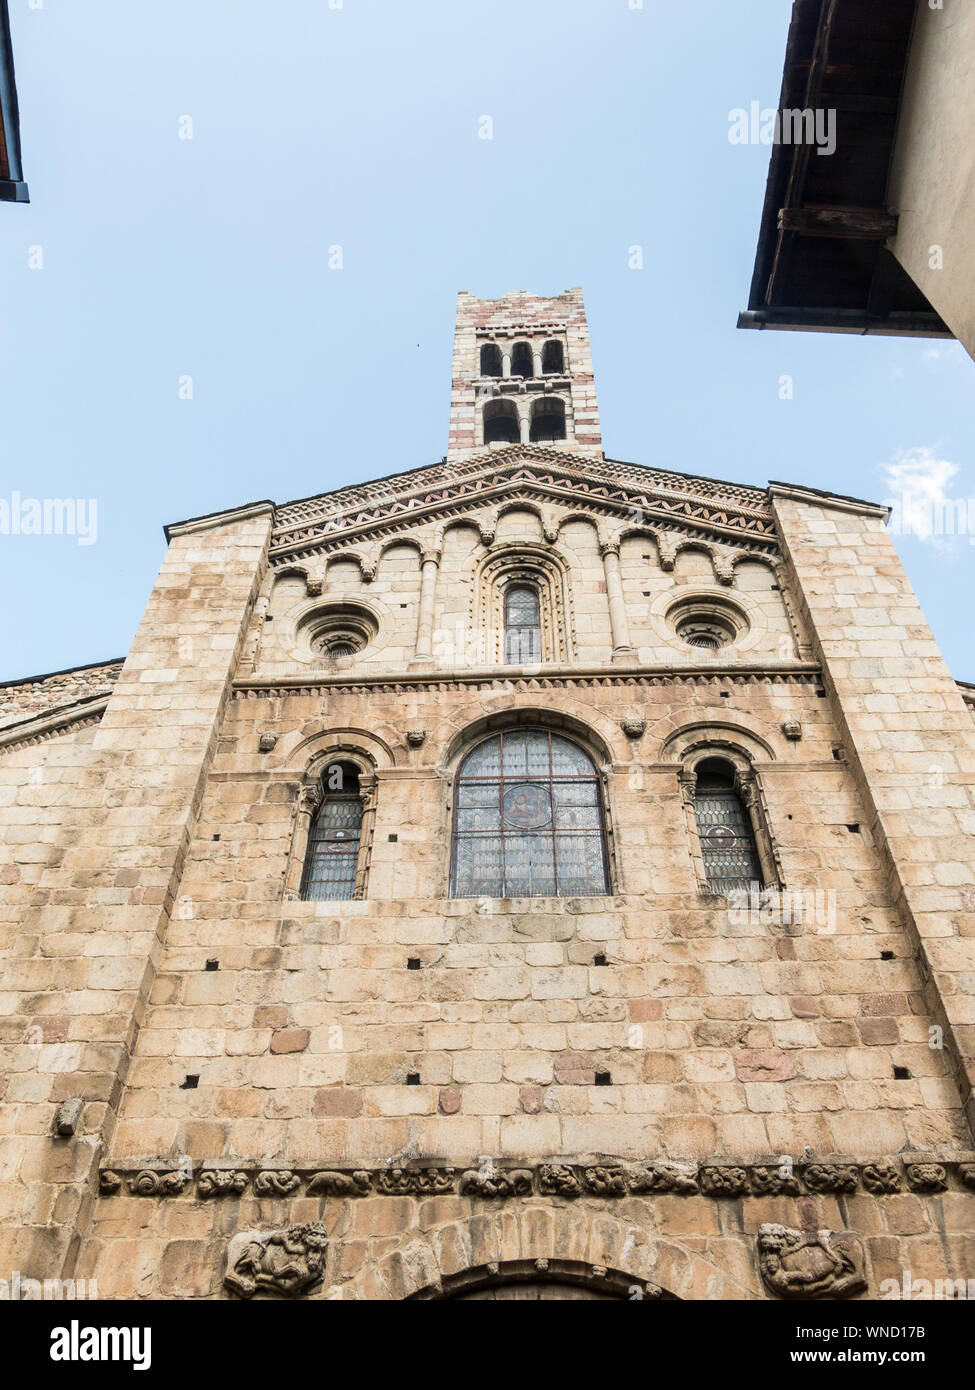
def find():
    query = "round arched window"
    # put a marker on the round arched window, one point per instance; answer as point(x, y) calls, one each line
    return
point(528, 820)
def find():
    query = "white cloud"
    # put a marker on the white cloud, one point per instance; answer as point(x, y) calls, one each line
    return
point(917, 482)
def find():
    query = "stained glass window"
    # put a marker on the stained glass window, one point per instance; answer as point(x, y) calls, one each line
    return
point(333, 842)
point(522, 625)
point(727, 842)
point(528, 820)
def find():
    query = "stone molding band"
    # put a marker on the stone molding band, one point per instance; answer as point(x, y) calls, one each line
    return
point(609, 1178)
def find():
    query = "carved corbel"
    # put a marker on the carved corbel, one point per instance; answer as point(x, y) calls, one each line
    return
point(667, 551)
point(724, 565)
point(487, 529)
point(550, 525)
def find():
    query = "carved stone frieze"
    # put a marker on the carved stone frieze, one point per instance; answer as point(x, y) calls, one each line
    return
point(662, 1177)
point(831, 1177)
point(221, 1182)
point(559, 1180)
point(724, 1182)
point(336, 1184)
point(773, 1182)
point(927, 1177)
point(150, 1183)
point(276, 1183)
point(609, 1178)
point(494, 1182)
point(810, 1264)
point(288, 1262)
point(881, 1178)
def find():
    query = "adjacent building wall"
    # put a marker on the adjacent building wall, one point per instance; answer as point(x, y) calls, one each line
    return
point(933, 173)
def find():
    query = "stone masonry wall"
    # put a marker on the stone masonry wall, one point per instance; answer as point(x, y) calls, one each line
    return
point(95, 836)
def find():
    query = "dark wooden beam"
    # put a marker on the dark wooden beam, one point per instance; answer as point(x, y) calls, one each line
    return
point(860, 224)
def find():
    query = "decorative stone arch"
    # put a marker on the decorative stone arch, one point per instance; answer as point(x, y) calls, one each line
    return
point(408, 541)
point(367, 563)
point(532, 563)
point(578, 1242)
point(528, 715)
point(549, 421)
point(337, 746)
point(744, 751)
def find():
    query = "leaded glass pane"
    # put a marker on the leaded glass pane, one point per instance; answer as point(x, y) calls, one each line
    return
point(485, 760)
point(523, 832)
point(333, 842)
point(569, 760)
point(730, 859)
point(515, 755)
point(522, 625)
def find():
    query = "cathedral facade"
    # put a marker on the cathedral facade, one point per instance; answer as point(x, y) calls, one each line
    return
point(532, 876)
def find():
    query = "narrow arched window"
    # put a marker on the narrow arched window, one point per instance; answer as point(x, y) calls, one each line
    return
point(528, 820)
point(723, 826)
point(548, 420)
point(501, 425)
point(522, 360)
point(332, 857)
point(522, 625)
point(491, 363)
point(553, 358)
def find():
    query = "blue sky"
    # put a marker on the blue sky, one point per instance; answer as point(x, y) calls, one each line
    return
point(357, 126)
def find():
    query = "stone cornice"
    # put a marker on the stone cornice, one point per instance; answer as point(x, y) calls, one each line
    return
point(214, 519)
point(443, 474)
point(812, 497)
point(792, 673)
point(542, 475)
point(719, 1178)
point(38, 728)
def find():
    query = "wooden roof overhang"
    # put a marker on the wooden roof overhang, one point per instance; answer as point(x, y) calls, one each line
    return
point(13, 189)
point(822, 262)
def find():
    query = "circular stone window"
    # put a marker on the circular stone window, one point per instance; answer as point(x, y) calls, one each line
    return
point(707, 623)
point(332, 636)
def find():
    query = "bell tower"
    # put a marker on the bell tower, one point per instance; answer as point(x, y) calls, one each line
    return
point(522, 373)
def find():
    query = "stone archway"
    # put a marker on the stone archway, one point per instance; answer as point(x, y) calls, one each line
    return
point(582, 1246)
point(541, 1281)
